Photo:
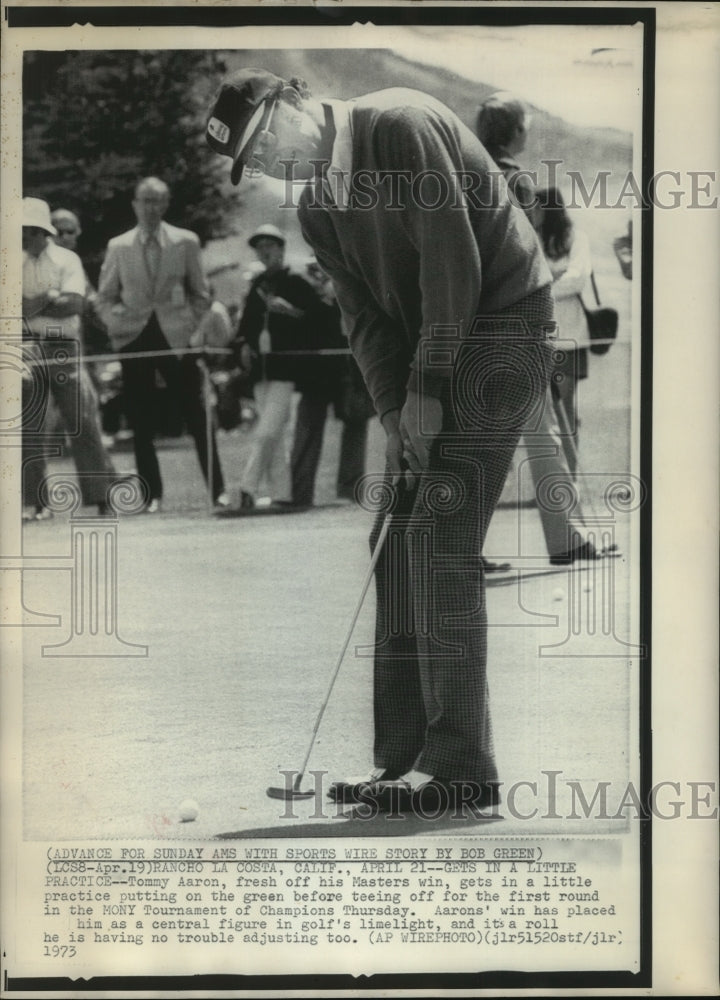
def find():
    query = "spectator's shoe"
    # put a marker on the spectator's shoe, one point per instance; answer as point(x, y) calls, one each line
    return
point(154, 506)
point(495, 567)
point(28, 513)
point(350, 790)
point(43, 514)
point(585, 552)
point(247, 501)
point(223, 507)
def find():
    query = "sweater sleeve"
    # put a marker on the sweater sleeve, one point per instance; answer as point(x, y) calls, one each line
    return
point(377, 345)
point(438, 225)
point(252, 318)
point(301, 294)
point(571, 279)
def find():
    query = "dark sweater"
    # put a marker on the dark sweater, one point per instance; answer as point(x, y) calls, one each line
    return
point(286, 333)
point(399, 272)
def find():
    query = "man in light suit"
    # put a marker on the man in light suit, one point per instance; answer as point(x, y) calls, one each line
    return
point(152, 295)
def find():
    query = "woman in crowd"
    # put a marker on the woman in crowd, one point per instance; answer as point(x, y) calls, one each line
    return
point(567, 250)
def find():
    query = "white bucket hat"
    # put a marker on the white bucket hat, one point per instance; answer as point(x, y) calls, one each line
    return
point(36, 213)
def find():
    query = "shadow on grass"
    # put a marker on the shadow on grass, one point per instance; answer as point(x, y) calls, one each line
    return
point(382, 825)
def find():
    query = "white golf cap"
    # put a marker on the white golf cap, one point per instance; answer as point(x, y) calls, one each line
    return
point(267, 232)
point(36, 213)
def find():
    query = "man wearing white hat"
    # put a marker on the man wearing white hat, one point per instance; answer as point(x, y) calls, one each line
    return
point(279, 310)
point(53, 294)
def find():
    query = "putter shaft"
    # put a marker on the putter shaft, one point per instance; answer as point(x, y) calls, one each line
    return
point(366, 583)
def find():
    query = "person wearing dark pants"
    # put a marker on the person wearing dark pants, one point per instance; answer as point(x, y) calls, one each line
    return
point(275, 335)
point(353, 448)
point(184, 381)
point(446, 300)
point(431, 712)
point(310, 420)
point(323, 380)
point(152, 295)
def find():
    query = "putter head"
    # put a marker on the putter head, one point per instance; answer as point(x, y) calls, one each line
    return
point(286, 794)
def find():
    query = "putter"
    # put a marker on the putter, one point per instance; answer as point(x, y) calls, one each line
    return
point(295, 792)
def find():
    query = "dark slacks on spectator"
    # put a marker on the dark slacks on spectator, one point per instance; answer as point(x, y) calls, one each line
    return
point(307, 446)
point(184, 382)
point(354, 407)
point(72, 392)
point(351, 467)
point(311, 418)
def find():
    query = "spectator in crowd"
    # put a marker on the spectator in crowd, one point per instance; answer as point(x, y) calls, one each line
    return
point(502, 126)
point(623, 251)
point(399, 286)
point(67, 228)
point(280, 309)
point(567, 250)
point(317, 377)
point(54, 288)
point(93, 332)
point(345, 388)
point(215, 327)
point(217, 330)
point(152, 295)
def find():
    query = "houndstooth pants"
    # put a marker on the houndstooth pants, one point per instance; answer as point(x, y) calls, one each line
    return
point(431, 705)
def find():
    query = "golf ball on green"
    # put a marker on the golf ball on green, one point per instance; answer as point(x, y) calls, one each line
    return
point(188, 810)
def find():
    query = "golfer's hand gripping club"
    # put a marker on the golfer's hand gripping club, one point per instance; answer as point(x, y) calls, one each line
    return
point(410, 435)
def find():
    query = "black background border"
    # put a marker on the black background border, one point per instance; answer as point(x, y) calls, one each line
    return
point(152, 16)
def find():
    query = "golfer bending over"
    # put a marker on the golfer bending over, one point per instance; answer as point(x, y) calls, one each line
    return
point(446, 299)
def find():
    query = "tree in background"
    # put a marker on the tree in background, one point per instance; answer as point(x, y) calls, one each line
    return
point(96, 122)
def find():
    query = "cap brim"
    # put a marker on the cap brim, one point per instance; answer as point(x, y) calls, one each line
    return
point(236, 171)
point(254, 240)
point(50, 230)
